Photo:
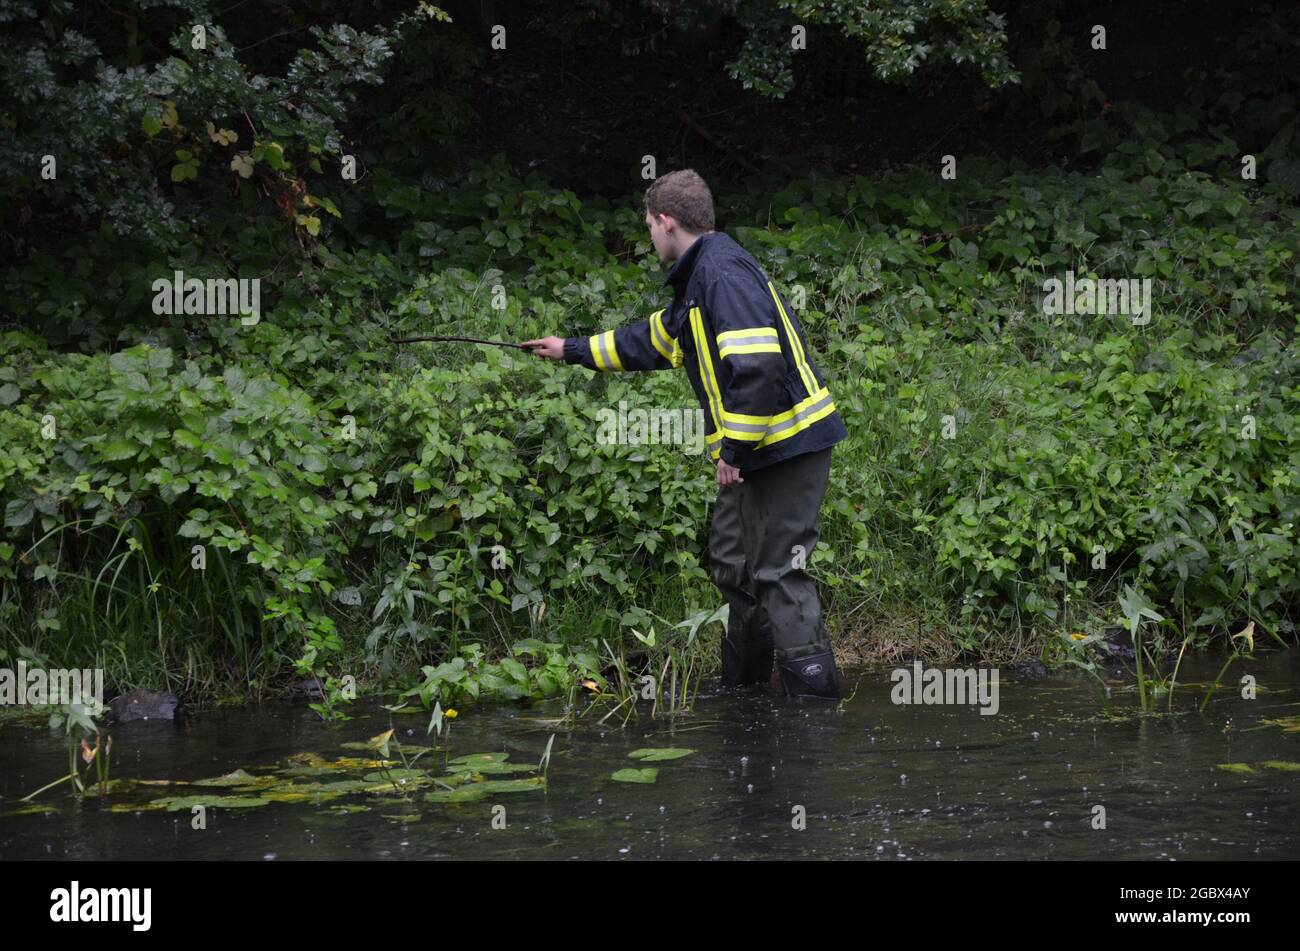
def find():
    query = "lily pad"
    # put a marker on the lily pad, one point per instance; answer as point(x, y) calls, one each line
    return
point(647, 775)
point(1236, 767)
point(111, 787)
point(390, 789)
point(408, 748)
point(402, 777)
point(344, 786)
point(494, 769)
point(307, 759)
point(240, 778)
point(302, 762)
point(466, 793)
point(136, 806)
point(478, 758)
point(515, 785)
point(487, 764)
point(1282, 765)
point(176, 803)
point(458, 779)
point(300, 793)
point(362, 763)
point(652, 755)
point(474, 791)
point(308, 772)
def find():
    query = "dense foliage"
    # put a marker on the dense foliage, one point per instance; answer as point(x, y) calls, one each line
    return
point(447, 516)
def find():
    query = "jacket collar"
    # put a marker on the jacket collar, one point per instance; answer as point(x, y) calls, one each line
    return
point(680, 273)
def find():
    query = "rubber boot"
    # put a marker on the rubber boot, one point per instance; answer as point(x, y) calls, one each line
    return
point(812, 676)
point(747, 659)
point(760, 652)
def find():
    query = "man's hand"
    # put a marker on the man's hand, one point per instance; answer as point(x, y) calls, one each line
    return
point(728, 475)
point(551, 348)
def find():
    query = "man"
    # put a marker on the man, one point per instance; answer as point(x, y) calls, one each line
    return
point(770, 428)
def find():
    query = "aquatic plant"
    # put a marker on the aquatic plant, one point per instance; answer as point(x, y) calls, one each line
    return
point(669, 668)
point(78, 723)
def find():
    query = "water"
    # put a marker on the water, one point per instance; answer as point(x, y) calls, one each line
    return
point(876, 781)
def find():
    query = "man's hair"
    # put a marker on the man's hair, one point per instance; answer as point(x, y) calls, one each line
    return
point(683, 195)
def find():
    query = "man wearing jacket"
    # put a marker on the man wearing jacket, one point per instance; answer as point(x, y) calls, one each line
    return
point(770, 425)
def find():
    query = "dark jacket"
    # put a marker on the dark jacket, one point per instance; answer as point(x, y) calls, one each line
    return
point(764, 399)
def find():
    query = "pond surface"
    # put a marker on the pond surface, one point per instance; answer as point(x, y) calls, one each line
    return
point(876, 780)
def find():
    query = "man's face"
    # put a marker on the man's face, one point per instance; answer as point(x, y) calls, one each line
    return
point(664, 242)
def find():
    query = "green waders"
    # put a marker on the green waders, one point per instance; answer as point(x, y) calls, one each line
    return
point(763, 532)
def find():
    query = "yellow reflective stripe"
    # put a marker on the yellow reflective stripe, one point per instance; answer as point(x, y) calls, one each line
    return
point(664, 342)
point(799, 417)
point(748, 340)
point(594, 343)
point(749, 348)
point(748, 335)
point(782, 425)
point(707, 379)
point(739, 426)
point(608, 337)
point(799, 407)
point(803, 424)
point(805, 372)
point(603, 352)
point(731, 417)
point(658, 337)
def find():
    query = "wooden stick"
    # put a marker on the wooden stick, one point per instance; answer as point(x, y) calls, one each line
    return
point(491, 343)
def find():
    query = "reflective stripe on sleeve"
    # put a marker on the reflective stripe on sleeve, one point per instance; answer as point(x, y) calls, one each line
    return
point(666, 344)
point(750, 340)
point(603, 352)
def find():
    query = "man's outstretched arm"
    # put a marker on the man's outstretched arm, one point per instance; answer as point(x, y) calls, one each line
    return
point(645, 345)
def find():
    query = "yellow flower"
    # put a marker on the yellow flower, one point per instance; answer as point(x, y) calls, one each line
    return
point(449, 713)
point(1248, 635)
